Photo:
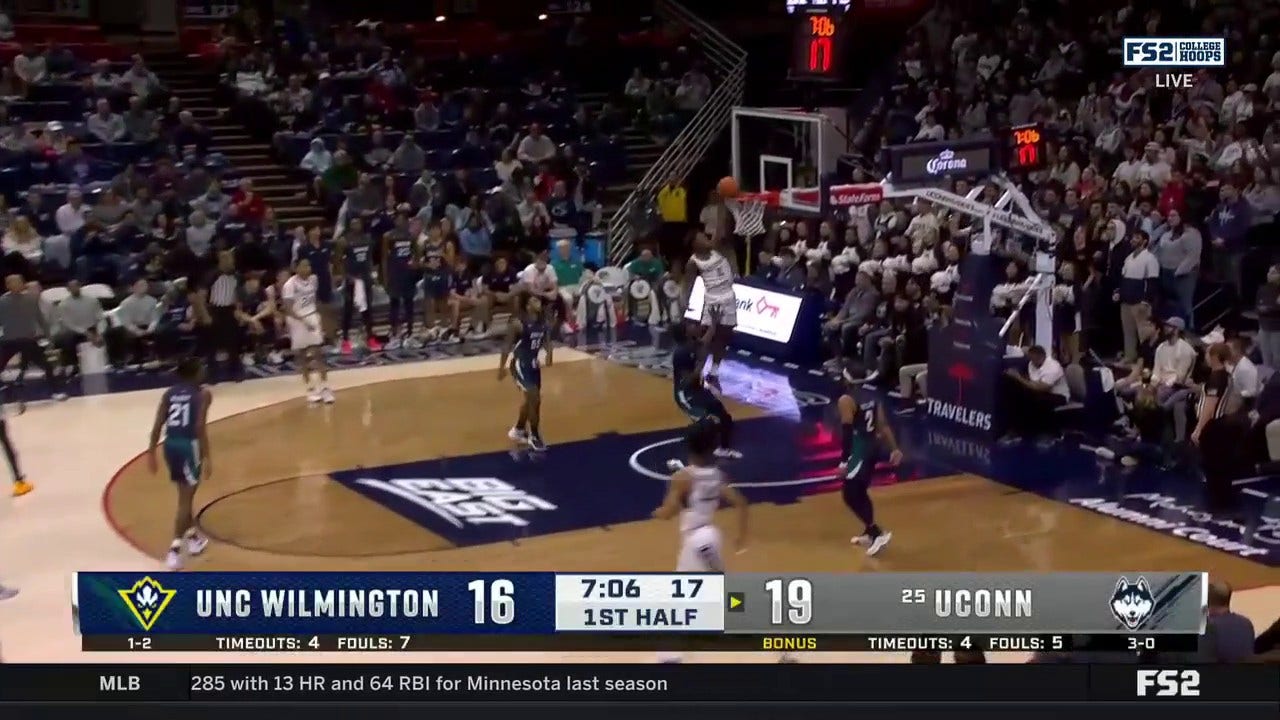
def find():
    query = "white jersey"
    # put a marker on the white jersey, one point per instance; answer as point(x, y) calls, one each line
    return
point(704, 497)
point(539, 281)
point(717, 277)
point(700, 541)
point(301, 294)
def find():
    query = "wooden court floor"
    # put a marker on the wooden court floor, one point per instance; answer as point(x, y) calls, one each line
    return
point(272, 493)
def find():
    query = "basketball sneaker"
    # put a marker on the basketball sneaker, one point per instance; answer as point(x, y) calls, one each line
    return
point(196, 544)
point(536, 443)
point(372, 344)
point(173, 560)
point(517, 435)
point(314, 396)
point(393, 344)
point(878, 543)
point(22, 487)
point(327, 396)
point(346, 347)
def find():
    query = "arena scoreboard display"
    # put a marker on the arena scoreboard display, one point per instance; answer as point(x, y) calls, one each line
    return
point(363, 612)
point(819, 39)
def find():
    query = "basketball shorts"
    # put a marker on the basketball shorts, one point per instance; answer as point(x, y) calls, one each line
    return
point(528, 376)
point(435, 287)
point(859, 466)
point(699, 404)
point(305, 333)
point(701, 550)
point(721, 314)
point(183, 458)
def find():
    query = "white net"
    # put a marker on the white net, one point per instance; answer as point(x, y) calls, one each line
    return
point(748, 214)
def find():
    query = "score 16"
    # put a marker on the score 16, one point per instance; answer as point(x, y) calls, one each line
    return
point(790, 601)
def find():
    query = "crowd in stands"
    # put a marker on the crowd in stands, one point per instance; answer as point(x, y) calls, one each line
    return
point(1164, 202)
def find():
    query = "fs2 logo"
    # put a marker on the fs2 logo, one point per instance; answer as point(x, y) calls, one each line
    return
point(1132, 603)
point(1168, 683)
point(1174, 52)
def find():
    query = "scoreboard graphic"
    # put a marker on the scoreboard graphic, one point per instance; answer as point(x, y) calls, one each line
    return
point(606, 611)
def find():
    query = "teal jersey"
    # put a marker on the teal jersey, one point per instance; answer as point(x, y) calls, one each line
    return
point(864, 445)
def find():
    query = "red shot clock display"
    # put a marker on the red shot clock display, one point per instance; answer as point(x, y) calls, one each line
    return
point(819, 37)
point(1027, 149)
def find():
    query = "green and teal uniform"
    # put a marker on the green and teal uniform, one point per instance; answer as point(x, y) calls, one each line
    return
point(525, 367)
point(182, 407)
point(692, 397)
point(861, 442)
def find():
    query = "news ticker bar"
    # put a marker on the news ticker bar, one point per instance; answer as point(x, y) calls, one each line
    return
point(637, 683)
point(535, 604)
point(593, 642)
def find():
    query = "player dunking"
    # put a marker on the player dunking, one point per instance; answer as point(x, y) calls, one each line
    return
point(182, 417)
point(526, 337)
point(864, 434)
point(693, 397)
point(719, 305)
point(302, 316)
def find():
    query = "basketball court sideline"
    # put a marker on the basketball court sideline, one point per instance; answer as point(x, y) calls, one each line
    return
point(351, 486)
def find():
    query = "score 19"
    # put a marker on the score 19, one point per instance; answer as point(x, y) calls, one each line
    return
point(792, 599)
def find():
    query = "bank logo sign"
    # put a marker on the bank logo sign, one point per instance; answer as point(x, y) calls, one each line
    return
point(761, 313)
point(1174, 52)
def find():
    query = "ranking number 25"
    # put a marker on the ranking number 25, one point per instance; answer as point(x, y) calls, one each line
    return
point(495, 601)
point(792, 598)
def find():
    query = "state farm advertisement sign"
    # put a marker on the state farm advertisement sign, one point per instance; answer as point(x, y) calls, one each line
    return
point(848, 195)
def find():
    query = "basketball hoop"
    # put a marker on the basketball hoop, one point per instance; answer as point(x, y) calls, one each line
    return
point(748, 212)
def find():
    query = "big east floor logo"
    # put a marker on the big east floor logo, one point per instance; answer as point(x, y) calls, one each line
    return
point(460, 502)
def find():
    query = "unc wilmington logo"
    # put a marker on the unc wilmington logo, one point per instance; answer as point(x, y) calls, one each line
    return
point(146, 601)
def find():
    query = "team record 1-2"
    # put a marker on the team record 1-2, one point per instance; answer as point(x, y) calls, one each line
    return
point(364, 612)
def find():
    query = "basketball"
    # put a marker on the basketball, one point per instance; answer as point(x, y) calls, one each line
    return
point(727, 187)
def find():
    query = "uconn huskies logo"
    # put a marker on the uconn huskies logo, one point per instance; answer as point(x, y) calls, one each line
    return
point(1132, 603)
point(946, 161)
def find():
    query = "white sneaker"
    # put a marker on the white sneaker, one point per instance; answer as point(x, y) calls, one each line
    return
point(864, 540)
point(275, 357)
point(474, 334)
point(878, 544)
point(196, 544)
point(59, 396)
point(393, 344)
point(247, 360)
point(327, 396)
point(517, 435)
point(173, 560)
point(314, 396)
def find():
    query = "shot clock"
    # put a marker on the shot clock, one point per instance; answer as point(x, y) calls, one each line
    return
point(818, 44)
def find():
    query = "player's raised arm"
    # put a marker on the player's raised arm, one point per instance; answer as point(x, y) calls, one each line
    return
point(736, 500)
point(677, 490)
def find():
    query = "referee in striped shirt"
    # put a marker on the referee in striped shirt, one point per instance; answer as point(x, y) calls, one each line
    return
point(225, 334)
point(1221, 422)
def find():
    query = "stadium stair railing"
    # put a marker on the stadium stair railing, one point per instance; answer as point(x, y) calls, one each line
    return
point(728, 61)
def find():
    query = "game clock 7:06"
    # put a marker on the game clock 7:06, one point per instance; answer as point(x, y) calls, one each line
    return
point(817, 45)
point(1027, 148)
